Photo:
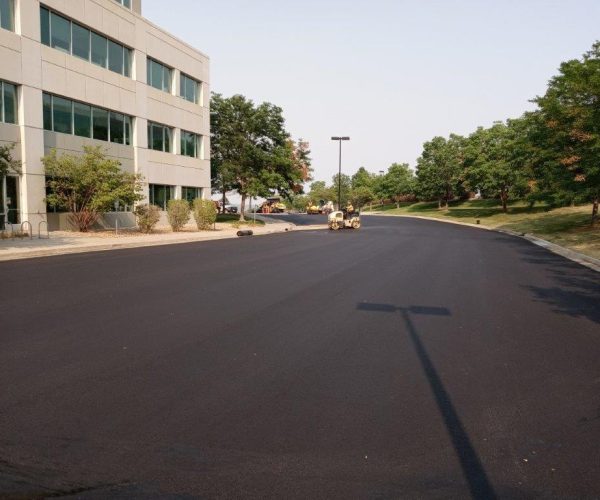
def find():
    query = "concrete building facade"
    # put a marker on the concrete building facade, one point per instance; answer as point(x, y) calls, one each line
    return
point(95, 72)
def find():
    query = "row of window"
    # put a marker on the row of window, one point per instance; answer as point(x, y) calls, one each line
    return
point(160, 77)
point(7, 14)
point(160, 138)
point(68, 36)
point(160, 194)
point(8, 102)
point(62, 34)
point(76, 118)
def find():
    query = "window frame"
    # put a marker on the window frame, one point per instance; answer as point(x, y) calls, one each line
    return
point(10, 26)
point(3, 100)
point(198, 192)
point(169, 194)
point(166, 75)
point(184, 79)
point(167, 137)
point(183, 144)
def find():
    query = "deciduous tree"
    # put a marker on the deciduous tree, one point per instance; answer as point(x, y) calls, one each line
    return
point(88, 185)
point(570, 112)
point(495, 161)
point(252, 151)
point(440, 168)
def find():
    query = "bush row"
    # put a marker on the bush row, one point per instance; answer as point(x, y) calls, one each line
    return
point(178, 214)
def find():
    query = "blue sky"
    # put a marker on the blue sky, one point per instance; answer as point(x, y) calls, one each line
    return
point(390, 74)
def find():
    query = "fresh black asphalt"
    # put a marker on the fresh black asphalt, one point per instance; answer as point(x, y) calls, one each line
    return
point(409, 359)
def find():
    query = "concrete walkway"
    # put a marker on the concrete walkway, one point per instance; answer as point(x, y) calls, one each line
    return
point(62, 242)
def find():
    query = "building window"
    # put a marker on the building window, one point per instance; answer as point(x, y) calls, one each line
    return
point(7, 14)
point(189, 89)
point(100, 124)
point(81, 42)
point(160, 195)
point(158, 75)
point(190, 193)
point(77, 118)
point(124, 3)
point(159, 137)
point(62, 34)
point(189, 144)
point(82, 119)
point(8, 102)
point(62, 115)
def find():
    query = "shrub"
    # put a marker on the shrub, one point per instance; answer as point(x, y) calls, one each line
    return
point(147, 217)
point(178, 213)
point(204, 213)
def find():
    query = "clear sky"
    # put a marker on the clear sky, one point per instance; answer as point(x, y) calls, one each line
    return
point(390, 74)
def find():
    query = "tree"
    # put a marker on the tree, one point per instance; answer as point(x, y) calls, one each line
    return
point(251, 150)
point(302, 160)
point(439, 169)
point(362, 178)
point(319, 191)
point(495, 161)
point(361, 195)
point(8, 164)
point(570, 119)
point(399, 182)
point(88, 185)
point(346, 188)
point(380, 192)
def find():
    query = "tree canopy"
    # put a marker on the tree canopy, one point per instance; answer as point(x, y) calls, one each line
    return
point(252, 153)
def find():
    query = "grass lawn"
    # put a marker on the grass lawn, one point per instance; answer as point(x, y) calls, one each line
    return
point(235, 219)
point(568, 227)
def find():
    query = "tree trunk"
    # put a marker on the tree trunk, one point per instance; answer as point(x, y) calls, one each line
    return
point(243, 208)
point(439, 203)
point(504, 199)
point(595, 210)
point(224, 201)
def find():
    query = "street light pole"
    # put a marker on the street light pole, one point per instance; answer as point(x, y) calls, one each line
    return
point(340, 139)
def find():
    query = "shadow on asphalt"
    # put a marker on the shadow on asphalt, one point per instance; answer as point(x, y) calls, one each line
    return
point(576, 292)
point(473, 470)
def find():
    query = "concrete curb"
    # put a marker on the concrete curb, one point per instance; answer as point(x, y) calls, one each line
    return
point(579, 258)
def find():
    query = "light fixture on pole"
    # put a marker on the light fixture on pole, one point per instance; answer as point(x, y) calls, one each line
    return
point(340, 139)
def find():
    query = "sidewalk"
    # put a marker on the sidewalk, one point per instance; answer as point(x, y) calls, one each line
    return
point(63, 242)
